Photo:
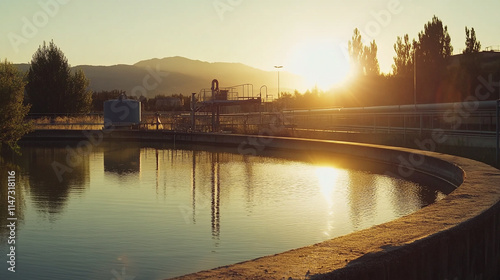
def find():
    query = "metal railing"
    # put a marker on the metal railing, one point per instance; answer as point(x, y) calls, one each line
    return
point(468, 119)
point(453, 117)
point(479, 119)
point(238, 92)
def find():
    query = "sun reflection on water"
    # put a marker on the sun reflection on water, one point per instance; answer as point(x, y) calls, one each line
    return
point(328, 181)
point(333, 183)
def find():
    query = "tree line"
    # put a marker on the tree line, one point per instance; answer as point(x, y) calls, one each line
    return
point(49, 87)
point(423, 72)
point(52, 88)
point(148, 104)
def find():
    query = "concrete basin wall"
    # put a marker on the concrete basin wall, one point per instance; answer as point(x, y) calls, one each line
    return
point(457, 237)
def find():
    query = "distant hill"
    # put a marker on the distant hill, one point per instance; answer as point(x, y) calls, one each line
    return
point(136, 81)
point(180, 75)
point(228, 74)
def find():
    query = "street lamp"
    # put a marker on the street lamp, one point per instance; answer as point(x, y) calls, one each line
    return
point(415, 78)
point(278, 67)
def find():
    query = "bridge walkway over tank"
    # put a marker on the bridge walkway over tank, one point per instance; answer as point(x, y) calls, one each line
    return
point(473, 124)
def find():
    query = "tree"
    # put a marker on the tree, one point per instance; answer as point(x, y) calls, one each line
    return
point(52, 88)
point(471, 43)
point(403, 61)
point(98, 98)
point(355, 48)
point(465, 77)
point(434, 44)
point(12, 109)
point(370, 61)
point(363, 57)
point(82, 98)
point(432, 50)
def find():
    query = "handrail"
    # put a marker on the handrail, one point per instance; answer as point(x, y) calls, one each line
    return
point(481, 105)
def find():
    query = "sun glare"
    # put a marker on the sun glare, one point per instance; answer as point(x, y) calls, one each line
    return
point(321, 63)
point(327, 179)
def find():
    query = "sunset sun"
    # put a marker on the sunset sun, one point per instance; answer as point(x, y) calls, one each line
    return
point(321, 63)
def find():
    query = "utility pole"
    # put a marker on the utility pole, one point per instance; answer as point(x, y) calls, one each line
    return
point(415, 78)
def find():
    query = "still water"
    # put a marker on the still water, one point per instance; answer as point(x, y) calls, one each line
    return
point(130, 211)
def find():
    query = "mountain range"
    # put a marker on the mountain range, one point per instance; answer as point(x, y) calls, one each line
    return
point(180, 75)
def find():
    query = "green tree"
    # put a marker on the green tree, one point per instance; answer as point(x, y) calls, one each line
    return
point(363, 57)
point(52, 88)
point(81, 98)
point(464, 78)
point(432, 50)
point(98, 98)
point(434, 44)
point(472, 45)
point(12, 110)
point(403, 61)
point(370, 61)
point(355, 48)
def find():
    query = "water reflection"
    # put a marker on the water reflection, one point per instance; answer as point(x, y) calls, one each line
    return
point(362, 200)
point(329, 182)
point(214, 191)
point(50, 191)
point(193, 185)
point(249, 186)
point(215, 203)
point(7, 165)
point(162, 212)
point(121, 158)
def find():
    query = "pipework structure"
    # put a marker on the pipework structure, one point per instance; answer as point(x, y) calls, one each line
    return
point(214, 99)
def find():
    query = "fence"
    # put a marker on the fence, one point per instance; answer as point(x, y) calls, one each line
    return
point(175, 121)
point(479, 123)
point(468, 119)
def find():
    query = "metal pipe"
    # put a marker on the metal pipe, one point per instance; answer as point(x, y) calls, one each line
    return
point(404, 128)
point(421, 123)
point(260, 105)
point(193, 108)
point(215, 88)
point(482, 105)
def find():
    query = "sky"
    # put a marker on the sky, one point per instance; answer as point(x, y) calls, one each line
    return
point(308, 38)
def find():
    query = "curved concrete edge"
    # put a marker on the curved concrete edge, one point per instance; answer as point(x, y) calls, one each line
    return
point(457, 237)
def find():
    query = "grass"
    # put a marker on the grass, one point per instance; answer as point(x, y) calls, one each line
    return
point(83, 122)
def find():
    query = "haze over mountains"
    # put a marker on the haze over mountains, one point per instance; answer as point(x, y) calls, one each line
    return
point(174, 75)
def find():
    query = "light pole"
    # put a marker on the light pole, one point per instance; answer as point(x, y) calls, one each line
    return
point(278, 67)
point(415, 78)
